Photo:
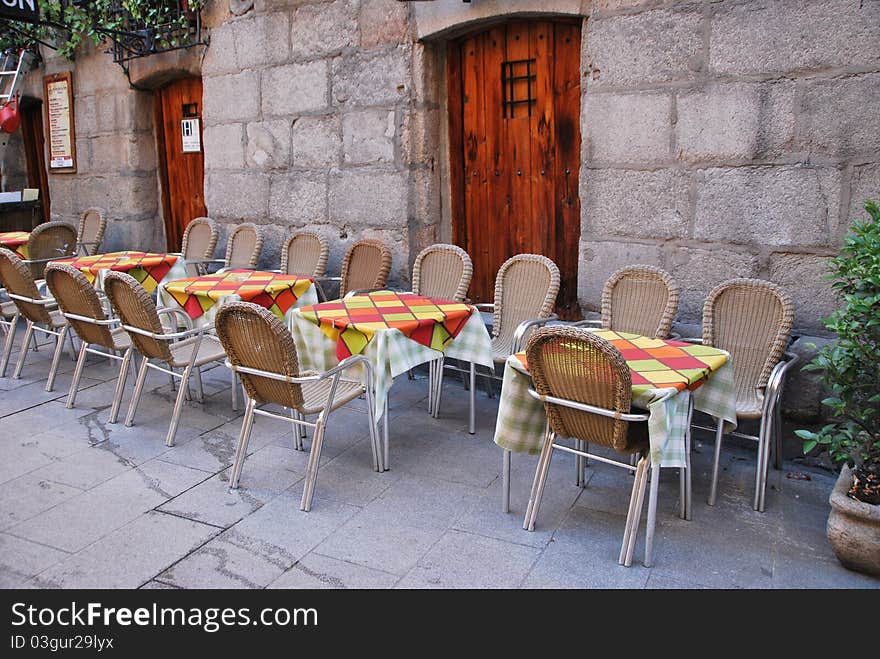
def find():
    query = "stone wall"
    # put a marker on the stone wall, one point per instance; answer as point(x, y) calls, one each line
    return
point(723, 139)
point(307, 110)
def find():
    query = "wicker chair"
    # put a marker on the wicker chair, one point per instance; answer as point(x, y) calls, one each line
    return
point(640, 299)
point(39, 312)
point(262, 351)
point(305, 254)
point(586, 389)
point(90, 235)
point(752, 320)
point(140, 319)
point(365, 267)
point(442, 271)
point(49, 241)
point(199, 242)
point(525, 295)
point(79, 302)
point(243, 249)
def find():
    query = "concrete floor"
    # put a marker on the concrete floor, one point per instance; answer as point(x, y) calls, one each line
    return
point(86, 504)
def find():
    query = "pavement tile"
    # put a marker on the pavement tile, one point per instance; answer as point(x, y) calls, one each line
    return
point(21, 559)
point(317, 571)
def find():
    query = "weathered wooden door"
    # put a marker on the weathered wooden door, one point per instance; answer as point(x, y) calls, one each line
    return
point(514, 104)
point(33, 140)
point(181, 162)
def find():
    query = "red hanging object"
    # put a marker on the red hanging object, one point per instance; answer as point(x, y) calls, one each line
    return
point(10, 117)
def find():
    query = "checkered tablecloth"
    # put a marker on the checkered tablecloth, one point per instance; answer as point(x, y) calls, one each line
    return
point(199, 296)
point(664, 375)
point(16, 241)
point(147, 268)
point(376, 326)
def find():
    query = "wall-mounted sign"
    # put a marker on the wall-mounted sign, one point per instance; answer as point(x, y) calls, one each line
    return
point(189, 132)
point(58, 95)
point(20, 10)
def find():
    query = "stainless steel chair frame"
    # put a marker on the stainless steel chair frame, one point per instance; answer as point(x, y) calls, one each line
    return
point(30, 328)
point(300, 424)
point(639, 485)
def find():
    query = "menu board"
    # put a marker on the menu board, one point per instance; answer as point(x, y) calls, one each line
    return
point(58, 95)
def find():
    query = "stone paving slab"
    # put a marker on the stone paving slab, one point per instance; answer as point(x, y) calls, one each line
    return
point(75, 489)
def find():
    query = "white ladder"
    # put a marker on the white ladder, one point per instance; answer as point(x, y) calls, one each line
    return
point(10, 69)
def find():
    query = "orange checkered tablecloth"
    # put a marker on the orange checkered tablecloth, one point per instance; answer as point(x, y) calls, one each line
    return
point(352, 322)
point(16, 241)
point(661, 364)
point(147, 268)
point(274, 291)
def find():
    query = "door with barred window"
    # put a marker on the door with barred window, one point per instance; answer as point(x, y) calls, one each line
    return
point(514, 105)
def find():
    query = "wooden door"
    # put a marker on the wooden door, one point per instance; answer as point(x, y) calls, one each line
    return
point(181, 161)
point(514, 112)
point(34, 152)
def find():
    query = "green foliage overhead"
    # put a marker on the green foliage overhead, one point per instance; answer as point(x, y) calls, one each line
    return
point(851, 367)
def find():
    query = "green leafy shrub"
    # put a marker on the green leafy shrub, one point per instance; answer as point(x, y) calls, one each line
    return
point(851, 367)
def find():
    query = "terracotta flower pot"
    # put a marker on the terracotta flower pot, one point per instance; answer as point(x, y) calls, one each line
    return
point(854, 528)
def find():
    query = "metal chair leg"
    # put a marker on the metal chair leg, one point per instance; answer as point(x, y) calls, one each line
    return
point(56, 357)
point(505, 480)
point(200, 390)
point(652, 515)
point(314, 459)
point(120, 385)
point(763, 463)
point(630, 513)
point(7, 348)
point(472, 401)
point(138, 389)
point(243, 439)
point(539, 483)
point(642, 480)
point(386, 460)
point(234, 392)
point(178, 405)
point(77, 374)
point(719, 437)
point(25, 344)
point(375, 446)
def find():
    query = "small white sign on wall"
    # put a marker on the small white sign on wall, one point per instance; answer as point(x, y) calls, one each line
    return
point(189, 131)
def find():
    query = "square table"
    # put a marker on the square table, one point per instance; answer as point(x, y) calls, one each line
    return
point(394, 331)
point(147, 268)
point(199, 296)
point(16, 242)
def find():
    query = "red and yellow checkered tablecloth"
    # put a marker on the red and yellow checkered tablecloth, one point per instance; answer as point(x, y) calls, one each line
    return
point(352, 322)
point(274, 291)
point(147, 268)
point(661, 364)
point(16, 241)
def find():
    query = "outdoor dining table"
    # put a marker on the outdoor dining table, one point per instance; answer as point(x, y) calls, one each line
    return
point(200, 297)
point(669, 379)
point(394, 331)
point(147, 268)
point(16, 241)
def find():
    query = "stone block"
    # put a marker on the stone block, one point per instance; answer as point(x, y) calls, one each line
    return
point(105, 112)
point(773, 36)
point(224, 146)
point(735, 122)
point(372, 78)
point(599, 259)
point(770, 205)
point(428, 81)
point(268, 144)
point(261, 40)
point(85, 110)
point(93, 74)
point(131, 152)
point(420, 136)
point(381, 22)
point(628, 128)
point(837, 116)
point(134, 110)
point(316, 142)
point(294, 88)
point(368, 136)
point(228, 98)
point(323, 29)
point(238, 196)
point(220, 55)
point(297, 199)
point(864, 185)
point(653, 46)
point(803, 278)
point(699, 270)
point(371, 198)
point(617, 202)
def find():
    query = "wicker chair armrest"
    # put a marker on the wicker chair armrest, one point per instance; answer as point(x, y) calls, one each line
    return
point(46, 301)
point(345, 364)
point(173, 311)
point(594, 322)
point(365, 291)
point(692, 339)
point(520, 333)
point(777, 379)
point(108, 322)
point(583, 407)
point(51, 258)
point(485, 306)
point(174, 336)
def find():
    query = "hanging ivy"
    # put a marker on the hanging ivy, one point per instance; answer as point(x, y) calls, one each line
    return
point(66, 24)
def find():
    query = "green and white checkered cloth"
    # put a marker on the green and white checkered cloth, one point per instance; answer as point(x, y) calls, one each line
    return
point(522, 421)
point(165, 299)
point(390, 352)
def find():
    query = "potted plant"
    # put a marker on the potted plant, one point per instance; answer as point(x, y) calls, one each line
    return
point(851, 372)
